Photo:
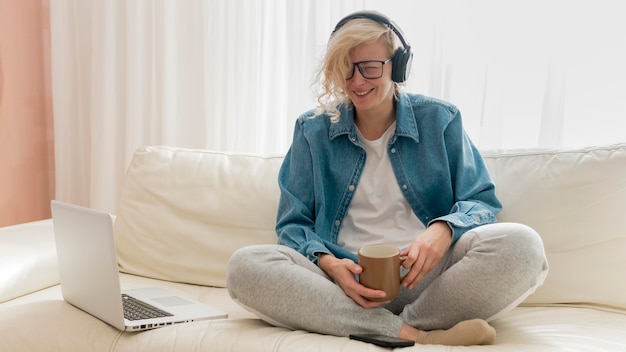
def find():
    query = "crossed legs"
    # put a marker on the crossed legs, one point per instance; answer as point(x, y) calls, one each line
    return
point(488, 271)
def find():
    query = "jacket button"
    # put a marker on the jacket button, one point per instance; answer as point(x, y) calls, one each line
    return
point(337, 223)
point(393, 150)
point(351, 188)
point(405, 186)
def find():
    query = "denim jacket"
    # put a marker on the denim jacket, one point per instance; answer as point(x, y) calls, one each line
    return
point(439, 171)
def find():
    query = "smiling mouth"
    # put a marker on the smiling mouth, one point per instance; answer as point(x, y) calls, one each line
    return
point(362, 93)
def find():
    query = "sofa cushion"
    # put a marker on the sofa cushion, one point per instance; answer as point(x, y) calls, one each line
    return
point(576, 200)
point(184, 212)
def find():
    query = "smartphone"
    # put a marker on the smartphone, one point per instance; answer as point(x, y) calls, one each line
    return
point(382, 340)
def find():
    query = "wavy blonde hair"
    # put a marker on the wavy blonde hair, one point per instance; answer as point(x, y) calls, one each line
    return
point(336, 65)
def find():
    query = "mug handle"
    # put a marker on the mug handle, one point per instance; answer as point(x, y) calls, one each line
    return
point(403, 271)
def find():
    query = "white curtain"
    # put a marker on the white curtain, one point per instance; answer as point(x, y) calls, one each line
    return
point(533, 73)
point(233, 75)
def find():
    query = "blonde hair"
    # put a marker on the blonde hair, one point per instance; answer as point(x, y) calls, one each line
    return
point(336, 65)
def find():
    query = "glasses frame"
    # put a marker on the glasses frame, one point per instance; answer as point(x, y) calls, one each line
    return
point(358, 65)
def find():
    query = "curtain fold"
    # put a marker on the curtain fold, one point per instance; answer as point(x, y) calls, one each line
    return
point(233, 75)
point(228, 75)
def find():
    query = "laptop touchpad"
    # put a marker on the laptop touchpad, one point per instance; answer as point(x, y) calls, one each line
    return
point(172, 301)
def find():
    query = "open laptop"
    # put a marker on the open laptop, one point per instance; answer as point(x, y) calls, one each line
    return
point(90, 278)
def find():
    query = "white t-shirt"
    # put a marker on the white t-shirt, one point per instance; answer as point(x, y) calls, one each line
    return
point(378, 213)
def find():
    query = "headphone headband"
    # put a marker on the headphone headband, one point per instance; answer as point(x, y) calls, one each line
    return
point(377, 17)
point(402, 57)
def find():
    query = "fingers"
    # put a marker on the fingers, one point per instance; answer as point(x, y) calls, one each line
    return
point(343, 273)
point(363, 295)
point(354, 268)
point(421, 261)
point(368, 304)
point(425, 252)
point(420, 268)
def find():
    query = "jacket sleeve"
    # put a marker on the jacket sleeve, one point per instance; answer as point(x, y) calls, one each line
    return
point(475, 200)
point(295, 223)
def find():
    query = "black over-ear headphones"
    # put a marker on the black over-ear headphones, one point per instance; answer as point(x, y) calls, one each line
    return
point(401, 62)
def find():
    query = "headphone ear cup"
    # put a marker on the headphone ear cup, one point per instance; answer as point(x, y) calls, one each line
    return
point(401, 66)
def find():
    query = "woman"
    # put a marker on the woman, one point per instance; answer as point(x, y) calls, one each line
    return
point(374, 164)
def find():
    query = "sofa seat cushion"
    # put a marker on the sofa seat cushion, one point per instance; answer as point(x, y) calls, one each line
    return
point(54, 322)
point(184, 212)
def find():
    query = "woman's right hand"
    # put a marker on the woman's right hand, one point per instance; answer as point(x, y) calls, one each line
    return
point(343, 272)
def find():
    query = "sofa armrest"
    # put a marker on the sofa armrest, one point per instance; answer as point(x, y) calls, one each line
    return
point(28, 259)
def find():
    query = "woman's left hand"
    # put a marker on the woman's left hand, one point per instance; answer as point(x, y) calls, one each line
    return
point(425, 252)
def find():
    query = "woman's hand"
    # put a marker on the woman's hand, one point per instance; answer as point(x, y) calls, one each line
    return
point(425, 252)
point(343, 272)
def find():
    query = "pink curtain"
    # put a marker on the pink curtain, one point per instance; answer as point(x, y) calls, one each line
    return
point(26, 128)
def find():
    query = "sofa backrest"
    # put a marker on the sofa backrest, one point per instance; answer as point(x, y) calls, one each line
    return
point(576, 201)
point(184, 212)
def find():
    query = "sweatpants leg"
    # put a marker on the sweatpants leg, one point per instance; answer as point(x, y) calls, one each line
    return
point(489, 270)
point(285, 289)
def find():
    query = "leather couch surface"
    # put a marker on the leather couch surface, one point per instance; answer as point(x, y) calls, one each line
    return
point(183, 212)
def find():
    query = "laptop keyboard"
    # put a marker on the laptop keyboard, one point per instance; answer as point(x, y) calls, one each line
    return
point(135, 309)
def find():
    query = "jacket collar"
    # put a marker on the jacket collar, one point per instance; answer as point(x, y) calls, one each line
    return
point(405, 121)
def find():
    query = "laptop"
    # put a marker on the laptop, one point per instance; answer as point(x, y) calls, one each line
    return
point(90, 278)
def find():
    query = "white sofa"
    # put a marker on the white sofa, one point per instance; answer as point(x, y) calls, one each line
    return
point(183, 212)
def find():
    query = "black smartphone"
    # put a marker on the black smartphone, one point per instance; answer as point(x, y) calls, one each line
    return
point(382, 340)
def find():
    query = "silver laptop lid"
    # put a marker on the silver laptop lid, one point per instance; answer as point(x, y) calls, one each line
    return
point(87, 261)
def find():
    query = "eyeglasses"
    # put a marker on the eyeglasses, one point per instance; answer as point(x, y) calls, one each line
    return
point(371, 69)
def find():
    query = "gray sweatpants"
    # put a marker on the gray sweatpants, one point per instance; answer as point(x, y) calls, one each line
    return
point(489, 271)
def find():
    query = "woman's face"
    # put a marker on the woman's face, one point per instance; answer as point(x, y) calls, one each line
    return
point(369, 95)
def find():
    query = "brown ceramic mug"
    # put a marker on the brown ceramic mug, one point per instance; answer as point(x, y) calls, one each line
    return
point(381, 269)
